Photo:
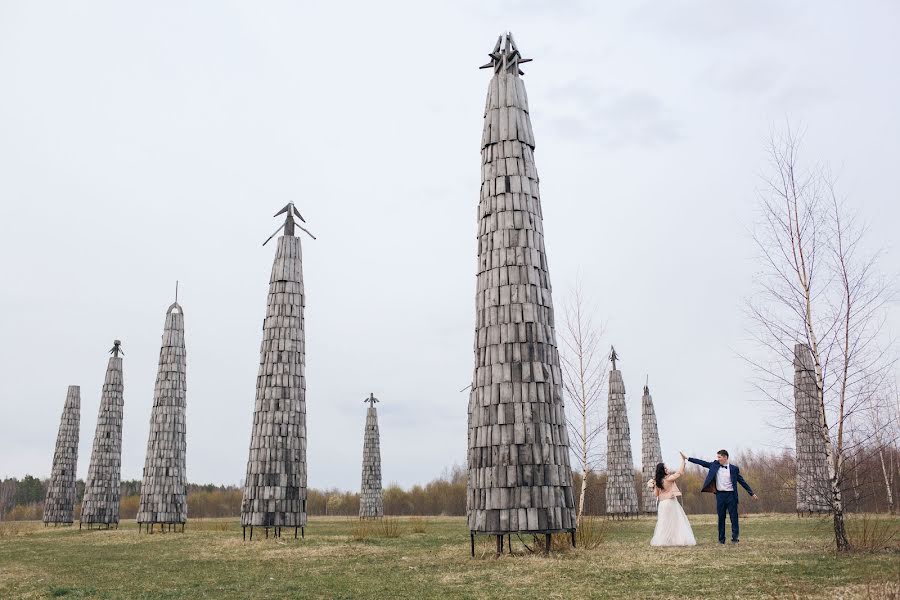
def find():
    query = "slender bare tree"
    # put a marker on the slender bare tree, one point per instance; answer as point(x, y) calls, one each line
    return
point(584, 376)
point(818, 287)
point(885, 434)
point(887, 472)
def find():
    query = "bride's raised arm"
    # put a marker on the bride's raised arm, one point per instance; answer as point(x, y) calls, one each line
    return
point(678, 473)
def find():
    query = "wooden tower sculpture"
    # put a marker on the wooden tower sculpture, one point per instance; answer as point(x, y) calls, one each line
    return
point(100, 505)
point(164, 486)
point(60, 502)
point(371, 501)
point(812, 469)
point(651, 452)
point(621, 497)
point(519, 479)
point(275, 485)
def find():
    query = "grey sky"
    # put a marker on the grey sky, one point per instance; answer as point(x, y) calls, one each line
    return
point(143, 143)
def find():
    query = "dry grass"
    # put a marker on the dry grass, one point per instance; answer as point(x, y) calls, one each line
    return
point(591, 533)
point(884, 590)
point(870, 533)
point(389, 528)
point(780, 556)
point(210, 525)
point(19, 528)
point(362, 530)
point(559, 542)
point(418, 525)
point(365, 529)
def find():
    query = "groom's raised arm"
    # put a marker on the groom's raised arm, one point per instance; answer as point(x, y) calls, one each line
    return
point(697, 461)
point(744, 484)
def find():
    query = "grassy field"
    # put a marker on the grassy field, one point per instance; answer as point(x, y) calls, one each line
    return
point(779, 556)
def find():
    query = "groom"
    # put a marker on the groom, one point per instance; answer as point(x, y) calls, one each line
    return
point(722, 481)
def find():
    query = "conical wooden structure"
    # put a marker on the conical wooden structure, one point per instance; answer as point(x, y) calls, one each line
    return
point(100, 505)
point(275, 485)
point(519, 479)
point(164, 485)
point(651, 452)
point(621, 497)
point(812, 469)
point(371, 501)
point(60, 502)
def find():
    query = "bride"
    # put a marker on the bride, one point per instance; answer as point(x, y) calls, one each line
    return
point(672, 525)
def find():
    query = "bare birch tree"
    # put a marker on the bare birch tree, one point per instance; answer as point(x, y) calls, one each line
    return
point(884, 434)
point(582, 364)
point(818, 287)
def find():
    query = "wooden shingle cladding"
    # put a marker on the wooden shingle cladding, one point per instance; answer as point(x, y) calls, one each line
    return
point(812, 469)
point(100, 505)
point(164, 483)
point(371, 500)
point(651, 452)
point(59, 504)
point(621, 497)
point(519, 478)
point(275, 490)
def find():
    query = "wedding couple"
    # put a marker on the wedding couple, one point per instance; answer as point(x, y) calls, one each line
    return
point(672, 525)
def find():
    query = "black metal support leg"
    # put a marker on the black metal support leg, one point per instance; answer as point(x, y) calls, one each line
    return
point(573, 538)
point(499, 545)
point(549, 540)
point(472, 536)
point(251, 533)
point(302, 533)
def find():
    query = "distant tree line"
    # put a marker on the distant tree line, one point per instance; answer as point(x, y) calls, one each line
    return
point(770, 474)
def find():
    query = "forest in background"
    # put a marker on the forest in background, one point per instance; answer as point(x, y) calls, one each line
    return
point(770, 474)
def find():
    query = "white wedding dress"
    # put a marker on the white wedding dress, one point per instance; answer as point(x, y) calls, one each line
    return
point(672, 526)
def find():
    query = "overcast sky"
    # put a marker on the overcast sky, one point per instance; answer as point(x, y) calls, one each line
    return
point(142, 143)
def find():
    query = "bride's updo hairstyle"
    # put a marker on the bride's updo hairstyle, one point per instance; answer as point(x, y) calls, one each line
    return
point(660, 475)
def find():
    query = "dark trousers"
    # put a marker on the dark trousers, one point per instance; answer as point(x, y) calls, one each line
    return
point(727, 501)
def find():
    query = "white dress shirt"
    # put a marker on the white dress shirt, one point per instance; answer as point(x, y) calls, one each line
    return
point(723, 479)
